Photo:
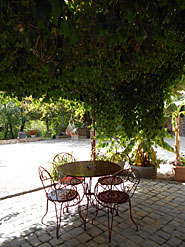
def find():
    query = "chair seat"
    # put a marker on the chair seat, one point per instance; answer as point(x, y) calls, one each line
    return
point(62, 195)
point(113, 196)
point(110, 180)
point(71, 180)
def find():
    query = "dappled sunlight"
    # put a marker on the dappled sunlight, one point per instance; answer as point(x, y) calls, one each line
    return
point(157, 208)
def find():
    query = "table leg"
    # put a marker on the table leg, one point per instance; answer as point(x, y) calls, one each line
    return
point(84, 210)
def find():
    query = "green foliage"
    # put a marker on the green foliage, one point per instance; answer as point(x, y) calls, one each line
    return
point(178, 90)
point(37, 114)
point(55, 164)
point(173, 110)
point(139, 150)
point(182, 161)
point(55, 113)
point(37, 125)
point(144, 155)
point(119, 57)
point(176, 112)
point(10, 117)
point(159, 140)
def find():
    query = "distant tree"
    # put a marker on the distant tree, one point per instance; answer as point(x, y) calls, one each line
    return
point(54, 114)
point(10, 117)
point(178, 91)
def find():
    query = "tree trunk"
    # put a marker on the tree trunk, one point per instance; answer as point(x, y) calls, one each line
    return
point(177, 140)
point(6, 132)
point(22, 125)
point(11, 130)
point(47, 127)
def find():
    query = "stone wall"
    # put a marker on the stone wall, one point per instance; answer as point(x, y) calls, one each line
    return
point(182, 126)
point(12, 141)
point(168, 125)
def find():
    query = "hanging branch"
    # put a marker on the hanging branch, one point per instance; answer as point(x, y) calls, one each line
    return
point(38, 50)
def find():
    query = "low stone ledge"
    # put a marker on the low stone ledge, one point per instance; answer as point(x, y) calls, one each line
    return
point(13, 141)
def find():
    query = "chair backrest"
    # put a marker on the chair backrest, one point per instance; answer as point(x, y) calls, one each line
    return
point(125, 180)
point(131, 179)
point(63, 158)
point(60, 159)
point(47, 180)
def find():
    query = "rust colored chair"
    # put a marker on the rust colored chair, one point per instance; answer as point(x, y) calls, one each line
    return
point(60, 159)
point(64, 197)
point(112, 191)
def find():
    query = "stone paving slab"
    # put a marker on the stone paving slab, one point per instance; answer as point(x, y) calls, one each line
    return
point(158, 208)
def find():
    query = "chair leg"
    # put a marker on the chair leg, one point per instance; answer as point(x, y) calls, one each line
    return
point(117, 209)
point(58, 218)
point(131, 215)
point(110, 222)
point(45, 214)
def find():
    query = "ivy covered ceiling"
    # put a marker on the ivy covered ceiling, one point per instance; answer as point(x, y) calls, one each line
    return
point(119, 56)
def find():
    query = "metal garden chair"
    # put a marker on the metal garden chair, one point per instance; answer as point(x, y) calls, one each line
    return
point(112, 191)
point(64, 197)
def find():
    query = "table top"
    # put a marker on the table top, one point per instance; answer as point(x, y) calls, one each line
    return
point(89, 168)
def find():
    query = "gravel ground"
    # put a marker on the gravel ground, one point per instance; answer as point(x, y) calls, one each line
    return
point(19, 162)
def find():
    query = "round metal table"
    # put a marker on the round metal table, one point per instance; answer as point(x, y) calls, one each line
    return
point(89, 168)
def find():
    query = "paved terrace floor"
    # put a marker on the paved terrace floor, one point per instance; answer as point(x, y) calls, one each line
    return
point(158, 206)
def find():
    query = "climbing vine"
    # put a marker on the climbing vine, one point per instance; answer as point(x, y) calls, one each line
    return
point(118, 56)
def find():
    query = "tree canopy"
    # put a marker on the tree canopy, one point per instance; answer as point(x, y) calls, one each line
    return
point(121, 57)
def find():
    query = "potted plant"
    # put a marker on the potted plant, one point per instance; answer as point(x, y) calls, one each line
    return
point(144, 159)
point(179, 162)
point(139, 152)
point(32, 133)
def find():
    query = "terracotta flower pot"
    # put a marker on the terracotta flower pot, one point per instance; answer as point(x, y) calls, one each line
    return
point(179, 173)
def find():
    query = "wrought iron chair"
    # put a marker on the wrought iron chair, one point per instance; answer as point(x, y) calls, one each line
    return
point(112, 191)
point(59, 159)
point(63, 197)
